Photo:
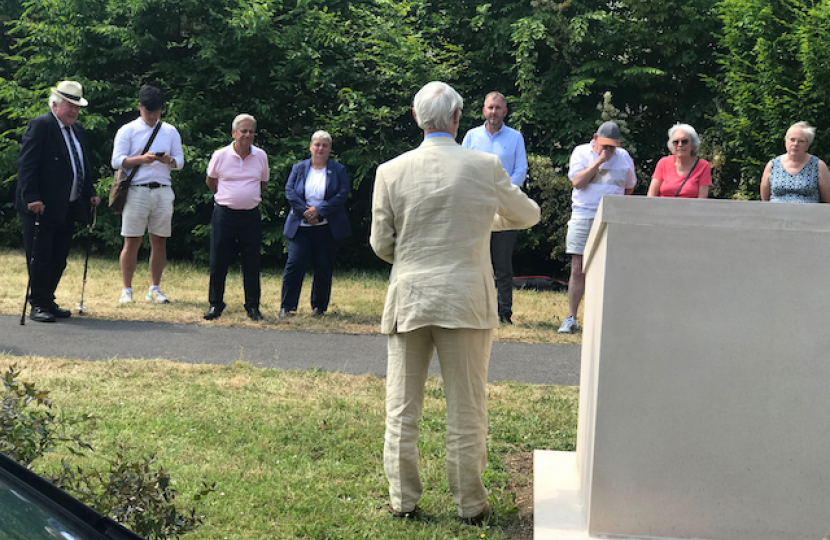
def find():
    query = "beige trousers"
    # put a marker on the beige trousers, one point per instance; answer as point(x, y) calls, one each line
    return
point(464, 355)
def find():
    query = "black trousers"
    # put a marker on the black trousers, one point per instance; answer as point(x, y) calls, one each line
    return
point(501, 255)
point(310, 243)
point(235, 231)
point(53, 242)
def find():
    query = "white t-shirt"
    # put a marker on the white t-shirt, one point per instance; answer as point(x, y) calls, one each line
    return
point(613, 178)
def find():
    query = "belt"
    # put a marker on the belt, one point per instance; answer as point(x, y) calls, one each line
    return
point(152, 185)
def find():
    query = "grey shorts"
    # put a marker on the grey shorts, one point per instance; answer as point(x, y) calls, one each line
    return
point(578, 230)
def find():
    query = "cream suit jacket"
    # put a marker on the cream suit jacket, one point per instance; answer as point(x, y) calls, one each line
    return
point(433, 209)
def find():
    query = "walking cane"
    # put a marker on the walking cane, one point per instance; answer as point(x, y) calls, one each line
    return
point(29, 269)
point(89, 227)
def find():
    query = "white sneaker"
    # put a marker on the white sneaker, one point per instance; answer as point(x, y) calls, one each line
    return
point(569, 326)
point(157, 296)
point(126, 296)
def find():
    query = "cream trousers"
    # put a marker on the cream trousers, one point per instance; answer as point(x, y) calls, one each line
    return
point(464, 355)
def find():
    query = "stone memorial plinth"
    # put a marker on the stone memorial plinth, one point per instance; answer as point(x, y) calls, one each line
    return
point(705, 378)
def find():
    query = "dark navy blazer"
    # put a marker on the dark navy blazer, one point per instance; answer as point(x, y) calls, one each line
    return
point(44, 169)
point(332, 208)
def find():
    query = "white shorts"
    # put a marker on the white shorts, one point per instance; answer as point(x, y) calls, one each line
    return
point(148, 209)
point(578, 230)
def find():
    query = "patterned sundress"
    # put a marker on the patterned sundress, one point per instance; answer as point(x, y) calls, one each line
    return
point(801, 187)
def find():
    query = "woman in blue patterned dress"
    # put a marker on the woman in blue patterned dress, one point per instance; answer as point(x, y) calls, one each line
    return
point(796, 176)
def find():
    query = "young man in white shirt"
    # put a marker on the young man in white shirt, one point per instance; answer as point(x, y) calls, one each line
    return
point(150, 202)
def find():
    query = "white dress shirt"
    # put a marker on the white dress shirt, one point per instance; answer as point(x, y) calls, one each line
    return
point(131, 140)
point(72, 139)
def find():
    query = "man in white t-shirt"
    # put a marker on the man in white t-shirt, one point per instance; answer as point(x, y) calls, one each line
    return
point(598, 168)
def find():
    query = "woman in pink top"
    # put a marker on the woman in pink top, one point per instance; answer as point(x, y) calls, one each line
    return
point(682, 174)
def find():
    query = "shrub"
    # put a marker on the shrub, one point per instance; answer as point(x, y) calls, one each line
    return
point(28, 428)
point(549, 186)
point(137, 493)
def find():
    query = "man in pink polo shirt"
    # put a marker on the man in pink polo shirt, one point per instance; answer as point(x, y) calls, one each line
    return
point(236, 175)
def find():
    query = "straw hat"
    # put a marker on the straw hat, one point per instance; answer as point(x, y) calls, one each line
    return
point(71, 92)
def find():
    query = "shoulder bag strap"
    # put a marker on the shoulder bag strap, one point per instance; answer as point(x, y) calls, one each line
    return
point(146, 147)
point(685, 179)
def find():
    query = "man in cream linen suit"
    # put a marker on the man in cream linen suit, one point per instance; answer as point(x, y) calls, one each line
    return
point(432, 213)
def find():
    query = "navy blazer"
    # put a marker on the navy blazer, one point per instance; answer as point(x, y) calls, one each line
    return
point(332, 208)
point(44, 169)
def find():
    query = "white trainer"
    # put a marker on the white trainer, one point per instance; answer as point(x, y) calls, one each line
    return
point(126, 296)
point(568, 326)
point(157, 296)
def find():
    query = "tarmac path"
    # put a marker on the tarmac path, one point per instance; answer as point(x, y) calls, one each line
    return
point(358, 354)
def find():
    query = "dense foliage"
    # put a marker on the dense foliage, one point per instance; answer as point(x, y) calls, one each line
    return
point(740, 71)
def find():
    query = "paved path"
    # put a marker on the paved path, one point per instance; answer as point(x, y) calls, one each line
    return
point(96, 339)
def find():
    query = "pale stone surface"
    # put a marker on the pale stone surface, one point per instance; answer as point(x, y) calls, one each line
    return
point(557, 504)
point(705, 369)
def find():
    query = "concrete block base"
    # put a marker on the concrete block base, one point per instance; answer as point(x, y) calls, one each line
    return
point(703, 401)
point(558, 513)
point(557, 501)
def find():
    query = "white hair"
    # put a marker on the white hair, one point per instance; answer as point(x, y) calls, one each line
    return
point(688, 130)
point(435, 105)
point(241, 118)
point(54, 99)
point(809, 131)
point(321, 134)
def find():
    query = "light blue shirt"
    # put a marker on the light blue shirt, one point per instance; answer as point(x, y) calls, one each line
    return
point(508, 144)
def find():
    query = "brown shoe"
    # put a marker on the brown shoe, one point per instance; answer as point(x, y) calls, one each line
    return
point(479, 518)
point(412, 515)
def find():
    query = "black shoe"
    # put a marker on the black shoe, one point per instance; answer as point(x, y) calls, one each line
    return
point(317, 312)
point(478, 519)
point(59, 312)
point(212, 313)
point(39, 314)
point(505, 319)
point(414, 515)
point(284, 313)
point(254, 314)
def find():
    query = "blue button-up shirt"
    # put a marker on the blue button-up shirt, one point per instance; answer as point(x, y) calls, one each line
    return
point(508, 144)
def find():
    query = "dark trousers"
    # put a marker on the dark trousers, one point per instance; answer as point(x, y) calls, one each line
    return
point(53, 242)
point(501, 255)
point(310, 244)
point(233, 231)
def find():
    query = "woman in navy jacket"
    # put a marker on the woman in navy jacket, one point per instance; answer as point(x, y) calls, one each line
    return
point(317, 190)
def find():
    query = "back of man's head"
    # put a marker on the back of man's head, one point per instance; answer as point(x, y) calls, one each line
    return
point(435, 105)
point(151, 97)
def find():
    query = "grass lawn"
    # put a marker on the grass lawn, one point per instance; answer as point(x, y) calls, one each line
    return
point(356, 304)
point(296, 454)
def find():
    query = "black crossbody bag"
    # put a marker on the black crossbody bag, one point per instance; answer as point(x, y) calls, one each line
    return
point(121, 182)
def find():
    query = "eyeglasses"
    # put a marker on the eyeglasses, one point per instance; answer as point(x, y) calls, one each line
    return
point(678, 142)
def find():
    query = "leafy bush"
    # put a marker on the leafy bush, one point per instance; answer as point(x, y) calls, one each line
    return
point(549, 186)
point(135, 493)
point(28, 428)
point(138, 494)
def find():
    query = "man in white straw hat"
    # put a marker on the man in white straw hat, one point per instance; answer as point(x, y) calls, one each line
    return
point(54, 189)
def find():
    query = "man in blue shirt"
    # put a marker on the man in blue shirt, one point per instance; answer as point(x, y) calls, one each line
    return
point(509, 145)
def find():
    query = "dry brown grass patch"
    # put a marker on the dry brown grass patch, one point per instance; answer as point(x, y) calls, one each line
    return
point(356, 304)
